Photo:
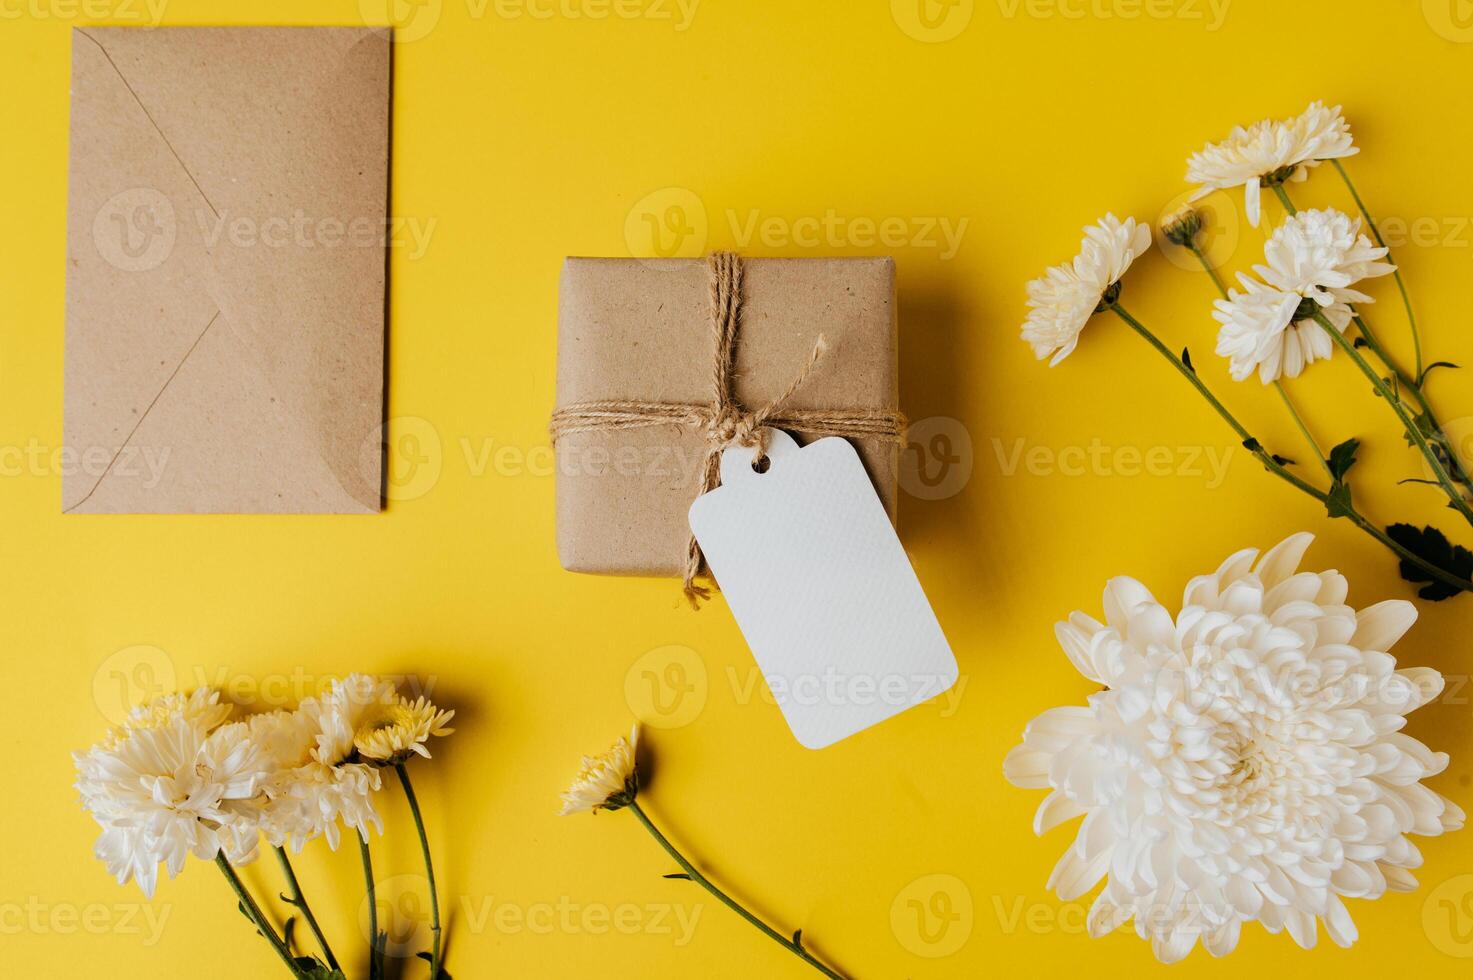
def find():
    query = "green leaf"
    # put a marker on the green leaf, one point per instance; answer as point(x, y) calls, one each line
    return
point(1186, 358)
point(1342, 458)
point(681, 875)
point(1338, 504)
point(1253, 445)
point(427, 958)
point(798, 939)
point(1435, 364)
point(314, 969)
point(1433, 547)
point(1284, 460)
point(249, 918)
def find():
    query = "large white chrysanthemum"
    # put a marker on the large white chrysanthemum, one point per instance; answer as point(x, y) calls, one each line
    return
point(1244, 762)
point(1311, 262)
point(1271, 151)
point(1061, 302)
point(173, 782)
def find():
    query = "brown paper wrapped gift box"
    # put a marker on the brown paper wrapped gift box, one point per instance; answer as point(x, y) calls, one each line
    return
point(640, 330)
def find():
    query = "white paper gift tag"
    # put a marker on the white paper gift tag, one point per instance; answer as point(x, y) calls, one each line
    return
point(821, 588)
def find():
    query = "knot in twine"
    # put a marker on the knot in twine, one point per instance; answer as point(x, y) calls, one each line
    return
point(724, 422)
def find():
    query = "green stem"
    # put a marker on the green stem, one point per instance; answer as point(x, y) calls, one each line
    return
point(253, 911)
point(1283, 391)
point(424, 847)
point(1202, 258)
point(1406, 299)
point(726, 900)
point(1283, 196)
point(1413, 430)
point(1457, 468)
point(1277, 469)
point(375, 949)
point(1303, 428)
point(300, 901)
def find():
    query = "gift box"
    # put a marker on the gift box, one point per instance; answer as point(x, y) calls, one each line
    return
point(638, 379)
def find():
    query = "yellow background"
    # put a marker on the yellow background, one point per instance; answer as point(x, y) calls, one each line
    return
point(524, 138)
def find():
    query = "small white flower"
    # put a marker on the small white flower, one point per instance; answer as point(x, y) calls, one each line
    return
point(336, 785)
point(287, 739)
point(201, 707)
point(174, 782)
point(321, 780)
point(349, 702)
point(1062, 301)
point(1244, 761)
point(1320, 255)
point(606, 782)
point(1262, 330)
point(391, 733)
point(1312, 261)
point(1271, 151)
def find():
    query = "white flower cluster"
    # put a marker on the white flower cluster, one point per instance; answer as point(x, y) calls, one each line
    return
point(1311, 262)
point(178, 777)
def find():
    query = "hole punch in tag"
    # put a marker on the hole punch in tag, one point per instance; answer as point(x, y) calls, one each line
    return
point(821, 588)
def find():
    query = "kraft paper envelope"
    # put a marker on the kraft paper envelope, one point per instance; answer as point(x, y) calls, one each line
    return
point(226, 270)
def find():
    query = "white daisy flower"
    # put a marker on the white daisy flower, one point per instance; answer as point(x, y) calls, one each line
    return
point(200, 707)
point(1313, 260)
point(336, 785)
point(172, 787)
point(1272, 152)
point(1273, 332)
point(606, 782)
point(320, 780)
point(1320, 254)
point(391, 733)
point(347, 706)
point(1244, 761)
point(1062, 301)
point(287, 738)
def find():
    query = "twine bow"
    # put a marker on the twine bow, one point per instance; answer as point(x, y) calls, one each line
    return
point(723, 422)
